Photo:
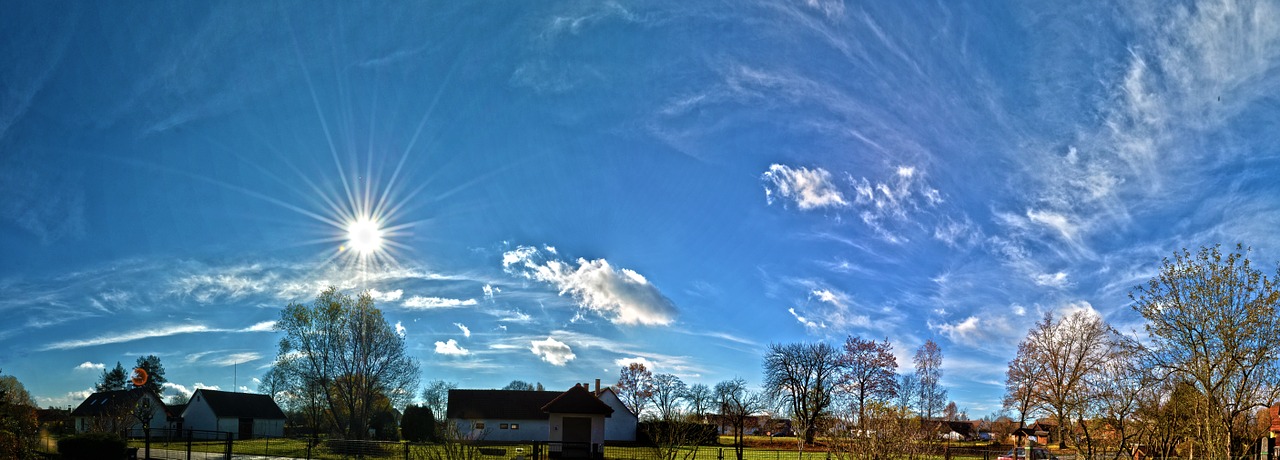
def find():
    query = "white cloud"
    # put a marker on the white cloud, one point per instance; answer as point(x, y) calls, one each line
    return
point(808, 323)
point(621, 295)
point(1055, 280)
point(265, 326)
point(179, 389)
point(466, 332)
point(400, 330)
point(451, 348)
point(826, 295)
point(91, 366)
point(977, 332)
point(624, 362)
point(1071, 308)
point(552, 351)
point(436, 302)
point(808, 188)
point(234, 359)
point(391, 296)
point(490, 291)
point(1057, 222)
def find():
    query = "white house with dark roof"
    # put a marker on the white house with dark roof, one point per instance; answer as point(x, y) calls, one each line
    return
point(247, 415)
point(116, 411)
point(576, 415)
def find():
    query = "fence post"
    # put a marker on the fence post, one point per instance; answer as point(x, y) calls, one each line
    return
point(188, 444)
point(228, 455)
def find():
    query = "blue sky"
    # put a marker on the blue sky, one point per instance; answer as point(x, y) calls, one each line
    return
point(563, 187)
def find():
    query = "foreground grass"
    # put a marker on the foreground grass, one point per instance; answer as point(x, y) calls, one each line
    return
point(758, 448)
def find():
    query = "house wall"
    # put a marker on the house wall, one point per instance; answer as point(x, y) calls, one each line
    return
point(621, 425)
point(199, 416)
point(530, 430)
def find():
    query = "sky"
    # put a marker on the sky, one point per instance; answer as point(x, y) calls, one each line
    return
point(547, 191)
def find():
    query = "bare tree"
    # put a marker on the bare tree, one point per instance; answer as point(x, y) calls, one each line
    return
point(1119, 391)
point(1070, 354)
point(1019, 384)
point(344, 348)
point(668, 391)
point(436, 397)
point(869, 372)
point(1212, 320)
point(635, 387)
point(737, 403)
point(802, 375)
point(928, 362)
point(908, 391)
point(698, 398)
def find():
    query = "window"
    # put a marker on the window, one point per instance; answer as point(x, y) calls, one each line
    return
point(502, 426)
point(515, 426)
point(479, 425)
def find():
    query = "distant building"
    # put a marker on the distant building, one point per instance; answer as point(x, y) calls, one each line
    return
point(247, 415)
point(116, 412)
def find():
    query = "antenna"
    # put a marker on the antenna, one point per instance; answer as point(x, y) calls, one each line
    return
point(235, 377)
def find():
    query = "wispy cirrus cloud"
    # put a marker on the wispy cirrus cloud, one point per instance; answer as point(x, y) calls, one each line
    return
point(160, 331)
point(419, 302)
point(621, 295)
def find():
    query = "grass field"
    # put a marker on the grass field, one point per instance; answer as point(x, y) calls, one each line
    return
point(758, 448)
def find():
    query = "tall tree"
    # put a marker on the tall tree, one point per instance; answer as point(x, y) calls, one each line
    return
point(1019, 385)
point(908, 392)
point(436, 397)
point(1070, 353)
point(668, 391)
point(345, 349)
point(635, 387)
point(802, 375)
point(18, 426)
point(1212, 320)
point(699, 398)
point(928, 362)
point(155, 374)
point(870, 372)
point(736, 403)
point(111, 380)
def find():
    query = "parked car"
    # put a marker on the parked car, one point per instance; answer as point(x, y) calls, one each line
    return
point(1036, 454)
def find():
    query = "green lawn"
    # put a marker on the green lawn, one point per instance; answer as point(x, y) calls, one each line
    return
point(762, 449)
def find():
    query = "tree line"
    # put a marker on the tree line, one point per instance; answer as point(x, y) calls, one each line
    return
point(1198, 382)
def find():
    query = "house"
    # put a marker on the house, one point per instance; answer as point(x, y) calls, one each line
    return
point(512, 415)
point(247, 415)
point(622, 424)
point(119, 410)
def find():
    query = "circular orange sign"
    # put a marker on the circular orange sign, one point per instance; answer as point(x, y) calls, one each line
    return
point(139, 377)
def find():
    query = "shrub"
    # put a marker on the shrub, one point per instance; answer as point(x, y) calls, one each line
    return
point(418, 424)
point(90, 446)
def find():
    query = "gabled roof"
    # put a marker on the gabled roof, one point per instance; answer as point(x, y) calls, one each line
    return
point(578, 400)
point(110, 401)
point(498, 404)
point(226, 404)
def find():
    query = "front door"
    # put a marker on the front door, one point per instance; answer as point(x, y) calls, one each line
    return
point(246, 428)
point(577, 437)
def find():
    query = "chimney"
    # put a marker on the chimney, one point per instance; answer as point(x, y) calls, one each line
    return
point(597, 386)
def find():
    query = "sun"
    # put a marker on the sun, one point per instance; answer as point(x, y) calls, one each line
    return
point(364, 236)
